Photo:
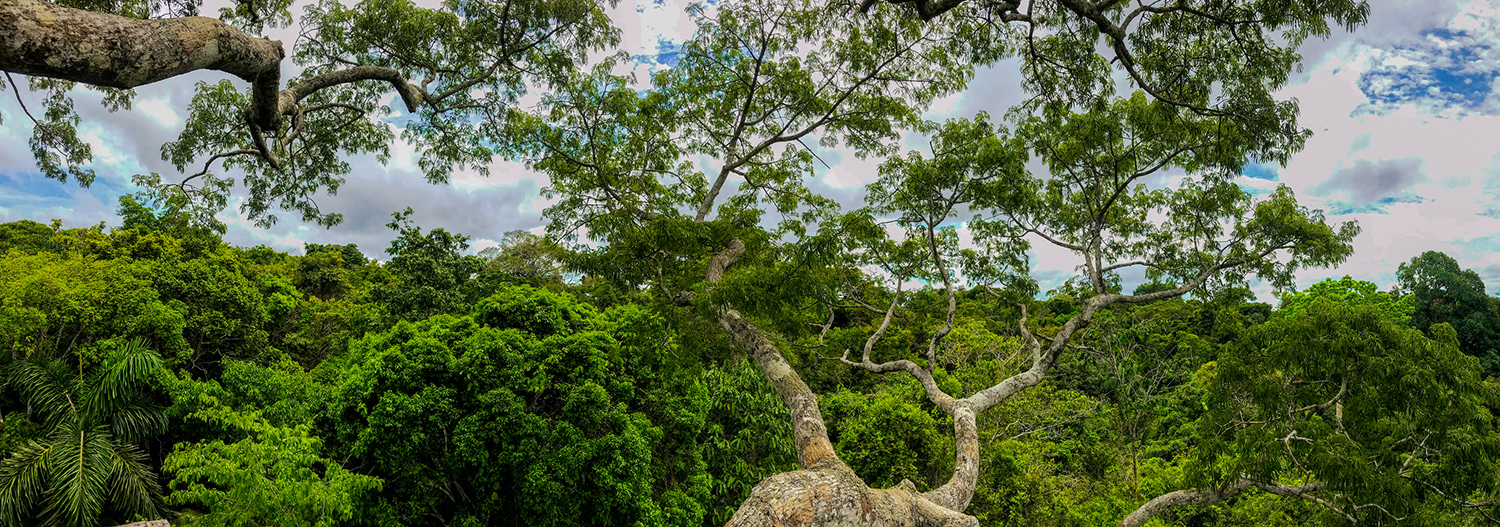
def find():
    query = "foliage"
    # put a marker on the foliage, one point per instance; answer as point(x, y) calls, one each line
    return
point(1345, 395)
point(444, 388)
point(888, 438)
point(53, 305)
point(432, 275)
point(274, 475)
point(524, 256)
point(746, 436)
point(1443, 293)
point(1348, 291)
point(678, 436)
point(532, 408)
point(86, 464)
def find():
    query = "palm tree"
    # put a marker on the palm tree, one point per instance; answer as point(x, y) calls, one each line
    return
point(89, 458)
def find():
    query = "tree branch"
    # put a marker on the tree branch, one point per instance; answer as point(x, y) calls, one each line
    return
point(952, 303)
point(49, 40)
point(1185, 497)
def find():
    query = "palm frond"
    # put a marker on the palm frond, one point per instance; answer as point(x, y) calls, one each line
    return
point(133, 487)
point(128, 367)
point(79, 474)
point(137, 420)
point(88, 458)
point(35, 379)
point(23, 481)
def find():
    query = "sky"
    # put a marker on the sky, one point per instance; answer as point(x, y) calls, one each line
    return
point(1405, 114)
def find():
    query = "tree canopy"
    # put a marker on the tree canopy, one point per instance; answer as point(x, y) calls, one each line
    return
point(702, 337)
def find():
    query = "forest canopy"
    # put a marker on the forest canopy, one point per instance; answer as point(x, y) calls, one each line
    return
point(701, 337)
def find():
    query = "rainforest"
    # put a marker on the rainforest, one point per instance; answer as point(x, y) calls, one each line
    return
point(801, 263)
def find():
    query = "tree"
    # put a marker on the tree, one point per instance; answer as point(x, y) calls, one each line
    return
point(619, 175)
point(1368, 418)
point(1444, 293)
point(457, 68)
point(531, 406)
point(348, 253)
point(432, 273)
point(1351, 292)
point(762, 79)
point(527, 257)
point(86, 466)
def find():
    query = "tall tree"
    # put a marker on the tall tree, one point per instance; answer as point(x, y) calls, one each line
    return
point(1442, 292)
point(432, 273)
point(525, 256)
point(761, 77)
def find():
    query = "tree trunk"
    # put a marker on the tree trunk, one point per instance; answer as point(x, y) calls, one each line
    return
point(826, 492)
point(835, 497)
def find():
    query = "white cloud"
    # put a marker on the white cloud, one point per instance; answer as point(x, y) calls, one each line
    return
point(161, 110)
point(1453, 143)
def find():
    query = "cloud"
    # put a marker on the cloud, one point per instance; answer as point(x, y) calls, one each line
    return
point(1369, 182)
point(372, 192)
point(1453, 68)
point(1490, 274)
point(1361, 142)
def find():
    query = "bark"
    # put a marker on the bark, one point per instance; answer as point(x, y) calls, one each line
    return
point(959, 490)
point(836, 497)
point(826, 492)
point(49, 40)
point(810, 435)
point(1172, 500)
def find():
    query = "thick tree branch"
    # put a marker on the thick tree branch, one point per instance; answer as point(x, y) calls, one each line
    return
point(49, 40)
point(411, 94)
point(1127, 264)
point(1181, 498)
point(959, 489)
point(809, 433)
point(885, 323)
point(929, 385)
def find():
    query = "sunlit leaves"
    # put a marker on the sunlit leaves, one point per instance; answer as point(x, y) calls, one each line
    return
point(1347, 291)
point(274, 474)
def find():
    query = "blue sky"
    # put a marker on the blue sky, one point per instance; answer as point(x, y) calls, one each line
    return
point(1405, 112)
